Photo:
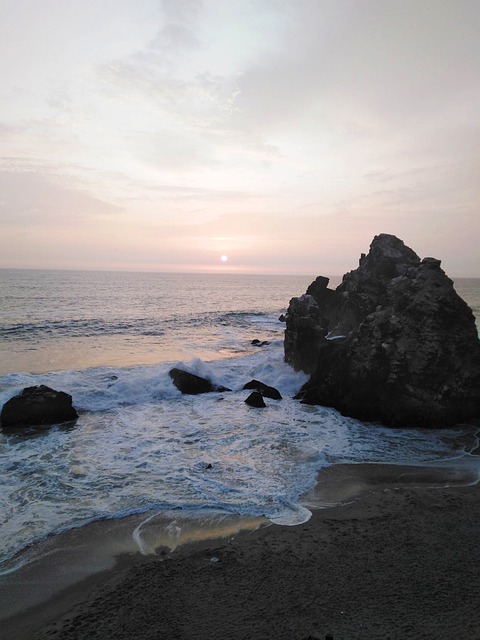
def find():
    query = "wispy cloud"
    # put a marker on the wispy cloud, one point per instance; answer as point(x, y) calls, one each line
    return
point(32, 199)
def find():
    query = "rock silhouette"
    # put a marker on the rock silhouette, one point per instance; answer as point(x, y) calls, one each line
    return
point(255, 399)
point(35, 406)
point(191, 384)
point(393, 343)
point(264, 389)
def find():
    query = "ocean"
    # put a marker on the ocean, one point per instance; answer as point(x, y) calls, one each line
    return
point(140, 448)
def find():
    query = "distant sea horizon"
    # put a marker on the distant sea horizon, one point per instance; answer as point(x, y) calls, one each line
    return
point(205, 272)
point(213, 271)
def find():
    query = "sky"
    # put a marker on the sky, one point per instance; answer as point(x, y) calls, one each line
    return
point(281, 135)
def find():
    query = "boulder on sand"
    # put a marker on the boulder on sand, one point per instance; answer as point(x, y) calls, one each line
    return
point(38, 405)
point(393, 343)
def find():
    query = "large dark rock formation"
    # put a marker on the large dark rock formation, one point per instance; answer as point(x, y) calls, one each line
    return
point(393, 343)
point(39, 405)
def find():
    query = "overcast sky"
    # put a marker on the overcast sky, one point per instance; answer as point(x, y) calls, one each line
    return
point(283, 134)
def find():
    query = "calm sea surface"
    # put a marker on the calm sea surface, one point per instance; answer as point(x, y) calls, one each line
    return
point(139, 446)
point(73, 319)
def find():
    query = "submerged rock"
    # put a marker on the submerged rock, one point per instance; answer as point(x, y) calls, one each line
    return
point(38, 405)
point(260, 343)
point(393, 343)
point(191, 384)
point(264, 389)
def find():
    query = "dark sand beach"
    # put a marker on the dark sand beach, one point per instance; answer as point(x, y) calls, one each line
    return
point(399, 560)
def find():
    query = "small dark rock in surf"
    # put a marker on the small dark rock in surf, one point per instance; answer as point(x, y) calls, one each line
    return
point(36, 406)
point(256, 400)
point(260, 343)
point(264, 389)
point(191, 384)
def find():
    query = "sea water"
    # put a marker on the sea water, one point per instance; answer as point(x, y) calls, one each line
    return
point(141, 447)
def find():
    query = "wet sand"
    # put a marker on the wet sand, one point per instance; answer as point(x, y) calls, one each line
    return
point(400, 560)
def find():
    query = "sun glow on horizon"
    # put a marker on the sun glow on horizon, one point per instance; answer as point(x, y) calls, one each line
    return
point(224, 258)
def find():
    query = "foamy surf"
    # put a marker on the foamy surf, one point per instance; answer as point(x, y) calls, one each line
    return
point(139, 445)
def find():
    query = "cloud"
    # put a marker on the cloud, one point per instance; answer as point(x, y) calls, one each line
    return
point(397, 61)
point(35, 200)
point(290, 128)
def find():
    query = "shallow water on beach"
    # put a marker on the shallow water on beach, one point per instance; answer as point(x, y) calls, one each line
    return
point(139, 447)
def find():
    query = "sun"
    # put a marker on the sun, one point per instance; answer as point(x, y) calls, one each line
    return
point(224, 258)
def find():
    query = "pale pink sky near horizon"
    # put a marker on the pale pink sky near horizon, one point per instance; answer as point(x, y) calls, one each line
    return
point(159, 135)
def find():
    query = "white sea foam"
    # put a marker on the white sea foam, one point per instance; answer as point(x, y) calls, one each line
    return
point(106, 388)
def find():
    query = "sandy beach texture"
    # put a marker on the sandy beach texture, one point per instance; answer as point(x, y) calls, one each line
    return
point(400, 561)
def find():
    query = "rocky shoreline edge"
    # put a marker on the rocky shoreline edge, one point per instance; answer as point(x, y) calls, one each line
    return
point(397, 558)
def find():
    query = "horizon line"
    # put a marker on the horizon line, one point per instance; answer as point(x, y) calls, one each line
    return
point(216, 272)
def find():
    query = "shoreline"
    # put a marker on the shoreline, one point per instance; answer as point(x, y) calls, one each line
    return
point(61, 569)
point(398, 557)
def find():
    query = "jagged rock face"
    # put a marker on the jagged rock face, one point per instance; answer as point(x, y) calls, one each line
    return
point(305, 333)
point(410, 355)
